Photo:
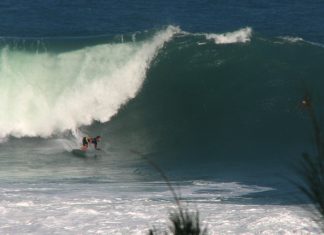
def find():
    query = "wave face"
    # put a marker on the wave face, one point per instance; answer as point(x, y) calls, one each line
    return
point(227, 94)
point(42, 93)
point(234, 100)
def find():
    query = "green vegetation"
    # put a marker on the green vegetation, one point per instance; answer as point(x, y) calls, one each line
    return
point(182, 221)
point(312, 168)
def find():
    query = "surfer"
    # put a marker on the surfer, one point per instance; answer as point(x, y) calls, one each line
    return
point(306, 102)
point(90, 140)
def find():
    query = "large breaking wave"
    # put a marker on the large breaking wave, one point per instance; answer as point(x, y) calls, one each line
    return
point(44, 93)
point(202, 91)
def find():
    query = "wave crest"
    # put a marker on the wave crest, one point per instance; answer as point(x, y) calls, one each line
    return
point(240, 36)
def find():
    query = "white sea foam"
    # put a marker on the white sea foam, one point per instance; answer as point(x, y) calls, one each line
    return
point(89, 209)
point(44, 93)
point(240, 36)
point(291, 39)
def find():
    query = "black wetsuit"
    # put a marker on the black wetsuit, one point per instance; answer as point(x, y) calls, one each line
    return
point(85, 141)
point(94, 141)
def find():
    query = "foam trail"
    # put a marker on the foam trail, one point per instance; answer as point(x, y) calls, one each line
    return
point(315, 44)
point(240, 36)
point(299, 39)
point(292, 39)
point(44, 94)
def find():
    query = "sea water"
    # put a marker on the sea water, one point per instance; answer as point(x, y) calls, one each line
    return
point(208, 91)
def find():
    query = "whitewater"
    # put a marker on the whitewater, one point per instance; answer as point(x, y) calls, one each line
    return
point(42, 93)
point(193, 102)
point(133, 208)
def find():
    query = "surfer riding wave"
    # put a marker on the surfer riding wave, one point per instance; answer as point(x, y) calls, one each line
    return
point(90, 140)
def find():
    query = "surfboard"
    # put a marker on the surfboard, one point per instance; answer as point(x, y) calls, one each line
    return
point(83, 154)
point(78, 153)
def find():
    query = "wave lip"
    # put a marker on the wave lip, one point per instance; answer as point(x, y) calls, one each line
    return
point(239, 36)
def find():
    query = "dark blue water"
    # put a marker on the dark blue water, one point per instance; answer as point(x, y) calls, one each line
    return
point(84, 18)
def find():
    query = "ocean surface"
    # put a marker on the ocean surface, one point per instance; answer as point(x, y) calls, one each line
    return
point(207, 90)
